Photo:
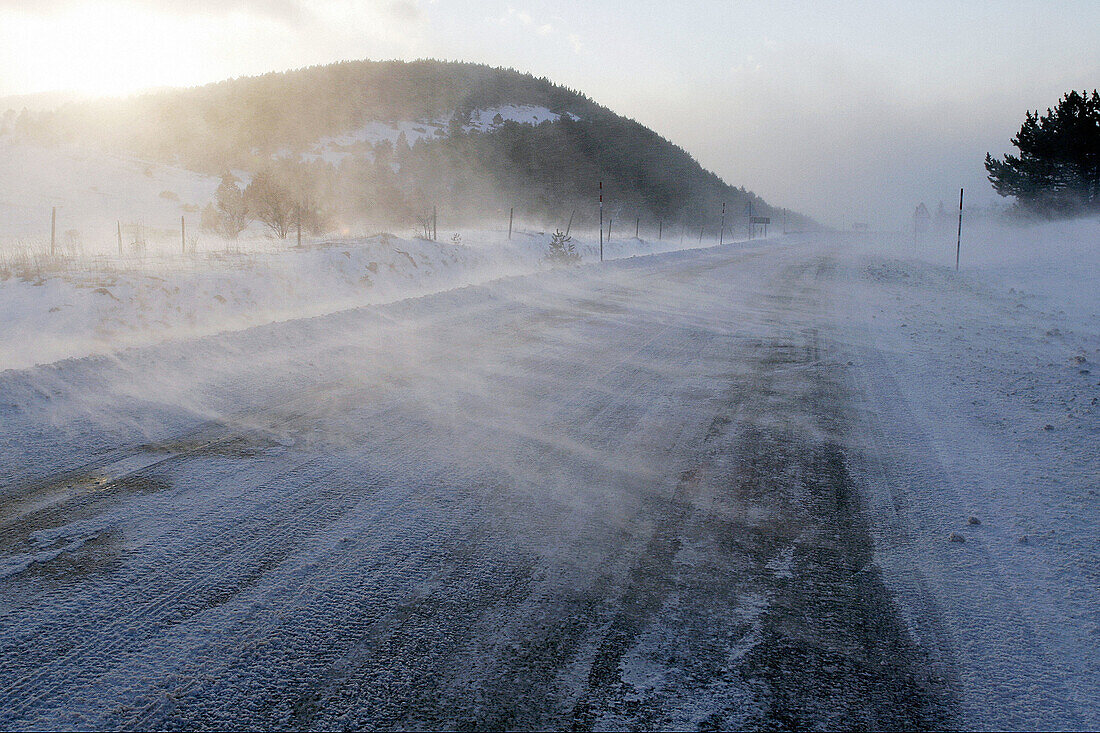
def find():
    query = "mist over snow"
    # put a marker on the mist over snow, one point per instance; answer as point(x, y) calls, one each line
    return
point(101, 303)
point(607, 378)
point(524, 432)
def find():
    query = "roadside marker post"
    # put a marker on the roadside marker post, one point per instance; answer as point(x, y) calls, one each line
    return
point(722, 227)
point(601, 221)
point(959, 235)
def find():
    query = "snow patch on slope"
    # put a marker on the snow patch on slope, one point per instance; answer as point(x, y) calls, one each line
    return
point(336, 148)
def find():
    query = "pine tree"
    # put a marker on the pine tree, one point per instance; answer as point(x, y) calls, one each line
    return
point(1058, 170)
point(562, 250)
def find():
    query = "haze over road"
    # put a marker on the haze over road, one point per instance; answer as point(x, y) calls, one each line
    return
point(617, 496)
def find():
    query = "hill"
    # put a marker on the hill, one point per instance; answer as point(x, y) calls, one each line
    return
point(386, 142)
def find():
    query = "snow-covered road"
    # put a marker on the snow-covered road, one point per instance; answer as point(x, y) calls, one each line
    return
point(701, 489)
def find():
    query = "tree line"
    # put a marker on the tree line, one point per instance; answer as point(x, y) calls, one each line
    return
point(283, 199)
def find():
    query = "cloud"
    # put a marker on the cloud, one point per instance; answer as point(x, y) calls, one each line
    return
point(525, 20)
point(404, 10)
point(539, 27)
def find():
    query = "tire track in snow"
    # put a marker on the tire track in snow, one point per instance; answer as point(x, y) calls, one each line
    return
point(977, 620)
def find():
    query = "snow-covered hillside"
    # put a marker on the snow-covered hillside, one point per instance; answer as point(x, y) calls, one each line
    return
point(92, 192)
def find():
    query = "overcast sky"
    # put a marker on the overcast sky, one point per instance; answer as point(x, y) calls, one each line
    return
point(844, 110)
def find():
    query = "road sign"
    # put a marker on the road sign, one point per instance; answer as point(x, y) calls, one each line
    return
point(761, 220)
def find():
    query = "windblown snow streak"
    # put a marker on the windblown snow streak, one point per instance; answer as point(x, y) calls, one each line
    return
point(705, 489)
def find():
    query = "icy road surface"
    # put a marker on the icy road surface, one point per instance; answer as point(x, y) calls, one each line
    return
point(692, 490)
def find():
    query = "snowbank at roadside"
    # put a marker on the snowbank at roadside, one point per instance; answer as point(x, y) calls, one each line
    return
point(976, 396)
point(63, 308)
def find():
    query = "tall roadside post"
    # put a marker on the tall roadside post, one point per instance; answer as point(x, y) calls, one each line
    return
point(511, 212)
point(722, 227)
point(959, 235)
point(601, 221)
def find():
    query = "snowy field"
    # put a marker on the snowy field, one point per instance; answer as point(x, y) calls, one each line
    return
point(977, 397)
point(72, 306)
point(717, 488)
point(89, 295)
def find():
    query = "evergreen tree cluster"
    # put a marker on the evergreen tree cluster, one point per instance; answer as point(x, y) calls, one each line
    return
point(1057, 172)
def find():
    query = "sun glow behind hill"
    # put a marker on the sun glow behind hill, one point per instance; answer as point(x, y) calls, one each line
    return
point(119, 47)
point(102, 51)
